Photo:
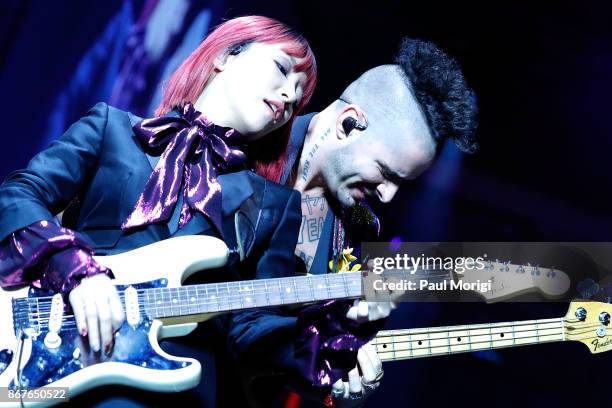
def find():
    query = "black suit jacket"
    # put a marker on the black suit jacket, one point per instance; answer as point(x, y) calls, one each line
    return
point(99, 167)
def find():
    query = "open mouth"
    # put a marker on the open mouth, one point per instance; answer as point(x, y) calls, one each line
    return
point(358, 193)
point(276, 108)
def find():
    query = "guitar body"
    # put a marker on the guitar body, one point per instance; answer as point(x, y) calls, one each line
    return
point(136, 360)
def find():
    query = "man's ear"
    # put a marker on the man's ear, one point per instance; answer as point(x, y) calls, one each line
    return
point(349, 119)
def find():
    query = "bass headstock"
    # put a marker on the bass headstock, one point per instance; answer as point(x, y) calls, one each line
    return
point(589, 322)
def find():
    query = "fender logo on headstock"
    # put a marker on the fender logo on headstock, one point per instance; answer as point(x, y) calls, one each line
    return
point(601, 344)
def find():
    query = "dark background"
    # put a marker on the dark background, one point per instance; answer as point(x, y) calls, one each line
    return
point(543, 76)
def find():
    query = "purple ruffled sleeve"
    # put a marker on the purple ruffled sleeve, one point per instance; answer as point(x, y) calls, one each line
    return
point(47, 256)
point(329, 341)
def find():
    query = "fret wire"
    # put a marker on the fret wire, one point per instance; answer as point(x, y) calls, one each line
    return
point(267, 292)
point(311, 288)
point(295, 289)
point(217, 297)
point(345, 284)
point(241, 297)
point(228, 294)
point(200, 306)
point(193, 298)
point(179, 298)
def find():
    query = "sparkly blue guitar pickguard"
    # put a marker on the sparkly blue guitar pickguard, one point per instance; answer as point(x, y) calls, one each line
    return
point(46, 366)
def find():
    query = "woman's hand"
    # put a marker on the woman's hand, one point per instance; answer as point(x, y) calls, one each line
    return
point(97, 310)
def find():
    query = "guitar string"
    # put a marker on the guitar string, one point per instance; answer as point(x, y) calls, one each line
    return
point(538, 341)
point(386, 273)
point(205, 300)
point(380, 341)
point(532, 340)
point(254, 288)
point(476, 326)
point(499, 325)
point(260, 288)
point(430, 273)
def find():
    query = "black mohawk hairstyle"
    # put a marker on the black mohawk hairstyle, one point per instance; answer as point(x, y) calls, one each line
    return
point(448, 103)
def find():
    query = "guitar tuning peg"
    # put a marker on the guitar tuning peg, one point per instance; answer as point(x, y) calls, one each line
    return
point(520, 269)
point(581, 313)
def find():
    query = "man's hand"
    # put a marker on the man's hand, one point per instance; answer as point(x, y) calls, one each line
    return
point(97, 310)
point(353, 392)
point(362, 311)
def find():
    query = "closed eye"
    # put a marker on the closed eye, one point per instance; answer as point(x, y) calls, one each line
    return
point(281, 68)
point(389, 175)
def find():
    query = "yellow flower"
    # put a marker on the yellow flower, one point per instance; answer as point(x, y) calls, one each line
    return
point(344, 263)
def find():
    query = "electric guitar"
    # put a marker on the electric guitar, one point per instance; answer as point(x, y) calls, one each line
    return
point(586, 321)
point(41, 347)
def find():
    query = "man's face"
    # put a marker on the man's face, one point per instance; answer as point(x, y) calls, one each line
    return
point(370, 165)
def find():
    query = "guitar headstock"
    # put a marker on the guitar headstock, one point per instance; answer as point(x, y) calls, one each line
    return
point(510, 280)
point(589, 322)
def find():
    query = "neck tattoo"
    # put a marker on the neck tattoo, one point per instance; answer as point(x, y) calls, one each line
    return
point(308, 157)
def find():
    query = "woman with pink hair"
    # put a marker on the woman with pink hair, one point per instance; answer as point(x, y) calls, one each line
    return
point(206, 164)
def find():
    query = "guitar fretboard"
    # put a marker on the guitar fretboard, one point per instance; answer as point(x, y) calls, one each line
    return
point(239, 295)
point(394, 345)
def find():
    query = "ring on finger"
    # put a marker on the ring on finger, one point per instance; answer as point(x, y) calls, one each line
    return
point(379, 376)
point(337, 393)
point(369, 386)
point(356, 395)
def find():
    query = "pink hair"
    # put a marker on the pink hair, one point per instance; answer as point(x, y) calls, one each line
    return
point(189, 80)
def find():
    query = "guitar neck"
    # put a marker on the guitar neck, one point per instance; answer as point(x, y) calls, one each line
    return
point(240, 295)
point(393, 345)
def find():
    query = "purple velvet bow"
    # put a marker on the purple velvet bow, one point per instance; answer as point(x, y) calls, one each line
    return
point(193, 150)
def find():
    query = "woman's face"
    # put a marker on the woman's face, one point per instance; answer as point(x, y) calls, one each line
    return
point(260, 89)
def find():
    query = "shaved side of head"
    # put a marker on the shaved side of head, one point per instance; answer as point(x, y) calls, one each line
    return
point(385, 94)
point(424, 95)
